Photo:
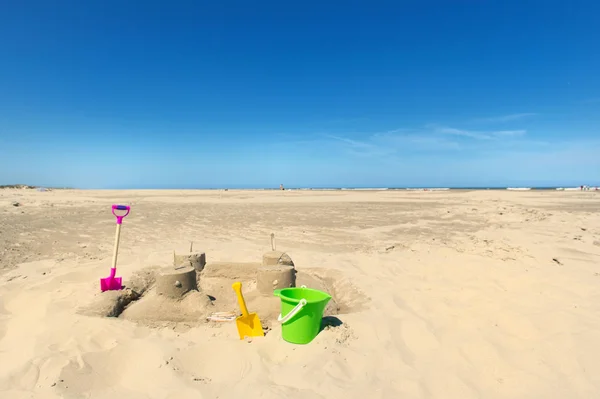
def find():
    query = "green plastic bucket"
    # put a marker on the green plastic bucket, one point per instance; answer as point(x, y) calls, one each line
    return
point(302, 310)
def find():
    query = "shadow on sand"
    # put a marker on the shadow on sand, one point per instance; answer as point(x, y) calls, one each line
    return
point(330, 321)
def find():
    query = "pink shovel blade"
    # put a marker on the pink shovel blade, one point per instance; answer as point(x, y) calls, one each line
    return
point(111, 282)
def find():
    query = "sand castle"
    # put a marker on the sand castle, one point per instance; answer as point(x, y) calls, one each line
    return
point(191, 290)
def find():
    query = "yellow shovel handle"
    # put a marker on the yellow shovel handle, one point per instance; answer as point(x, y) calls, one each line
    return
point(237, 287)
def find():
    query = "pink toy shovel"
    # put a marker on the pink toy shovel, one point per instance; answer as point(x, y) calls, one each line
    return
point(112, 282)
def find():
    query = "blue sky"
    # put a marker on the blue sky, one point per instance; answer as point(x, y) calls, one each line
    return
point(103, 94)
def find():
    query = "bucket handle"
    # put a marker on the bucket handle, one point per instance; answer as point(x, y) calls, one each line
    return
point(292, 313)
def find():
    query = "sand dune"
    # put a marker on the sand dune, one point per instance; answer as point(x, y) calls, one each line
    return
point(444, 294)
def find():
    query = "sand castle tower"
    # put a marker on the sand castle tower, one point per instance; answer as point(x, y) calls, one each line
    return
point(277, 272)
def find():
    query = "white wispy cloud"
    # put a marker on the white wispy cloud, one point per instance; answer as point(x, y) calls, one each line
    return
point(513, 133)
point(505, 118)
point(474, 134)
point(352, 143)
point(402, 142)
point(365, 148)
point(394, 142)
point(414, 139)
point(463, 133)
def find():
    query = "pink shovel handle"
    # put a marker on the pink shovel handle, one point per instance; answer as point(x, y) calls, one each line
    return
point(120, 208)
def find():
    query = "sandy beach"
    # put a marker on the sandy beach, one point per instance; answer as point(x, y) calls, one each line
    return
point(456, 294)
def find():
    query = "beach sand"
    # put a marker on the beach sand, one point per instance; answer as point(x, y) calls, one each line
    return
point(456, 294)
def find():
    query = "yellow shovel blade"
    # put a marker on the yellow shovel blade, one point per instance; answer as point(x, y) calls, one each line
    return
point(249, 326)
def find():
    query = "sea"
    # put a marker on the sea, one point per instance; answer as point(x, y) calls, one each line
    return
point(428, 188)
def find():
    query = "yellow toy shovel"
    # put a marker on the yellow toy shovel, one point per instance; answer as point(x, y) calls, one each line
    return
point(248, 324)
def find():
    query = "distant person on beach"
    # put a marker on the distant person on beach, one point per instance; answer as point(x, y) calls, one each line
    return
point(281, 187)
